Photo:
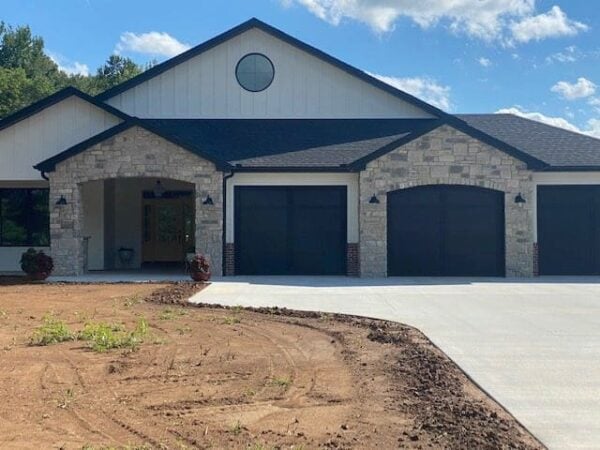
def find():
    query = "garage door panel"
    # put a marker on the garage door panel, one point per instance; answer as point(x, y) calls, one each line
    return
point(568, 230)
point(262, 215)
point(309, 230)
point(446, 231)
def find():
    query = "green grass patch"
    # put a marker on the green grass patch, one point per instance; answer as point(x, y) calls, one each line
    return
point(52, 331)
point(103, 336)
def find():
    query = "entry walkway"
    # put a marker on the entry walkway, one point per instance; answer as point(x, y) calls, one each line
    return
point(532, 345)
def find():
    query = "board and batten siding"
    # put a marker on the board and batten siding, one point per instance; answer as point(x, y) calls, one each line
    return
point(304, 87)
point(47, 133)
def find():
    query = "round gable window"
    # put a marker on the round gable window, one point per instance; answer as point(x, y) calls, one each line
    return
point(255, 72)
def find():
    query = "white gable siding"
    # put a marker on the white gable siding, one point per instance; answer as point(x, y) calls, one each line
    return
point(304, 87)
point(47, 133)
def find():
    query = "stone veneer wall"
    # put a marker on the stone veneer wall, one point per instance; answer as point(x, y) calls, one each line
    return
point(135, 152)
point(446, 156)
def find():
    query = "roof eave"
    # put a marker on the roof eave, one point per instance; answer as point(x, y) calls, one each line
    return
point(54, 99)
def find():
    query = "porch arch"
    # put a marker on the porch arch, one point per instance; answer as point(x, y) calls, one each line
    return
point(134, 153)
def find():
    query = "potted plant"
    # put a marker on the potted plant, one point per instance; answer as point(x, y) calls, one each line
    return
point(36, 264)
point(199, 268)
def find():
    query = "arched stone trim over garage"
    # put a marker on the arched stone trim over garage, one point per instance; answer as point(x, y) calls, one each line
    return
point(446, 156)
point(134, 153)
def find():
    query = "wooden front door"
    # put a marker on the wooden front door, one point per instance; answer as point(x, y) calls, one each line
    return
point(166, 235)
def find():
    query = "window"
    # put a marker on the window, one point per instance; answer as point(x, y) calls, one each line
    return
point(24, 218)
point(255, 72)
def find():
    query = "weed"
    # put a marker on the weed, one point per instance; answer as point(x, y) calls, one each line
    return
point(184, 330)
point(103, 336)
point(3, 314)
point(237, 309)
point(283, 382)
point(52, 331)
point(236, 428)
point(231, 320)
point(68, 397)
point(170, 314)
point(131, 301)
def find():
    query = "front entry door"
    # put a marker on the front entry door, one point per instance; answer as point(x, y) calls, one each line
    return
point(165, 232)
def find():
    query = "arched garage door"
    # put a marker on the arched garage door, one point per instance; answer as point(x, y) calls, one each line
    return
point(446, 230)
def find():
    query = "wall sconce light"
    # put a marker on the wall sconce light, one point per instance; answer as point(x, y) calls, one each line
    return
point(61, 201)
point(519, 200)
point(159, 189)
point(374, 200)
point(208, 201)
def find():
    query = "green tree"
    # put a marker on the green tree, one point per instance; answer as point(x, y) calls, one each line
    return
point(116, 70)
point(27, 74)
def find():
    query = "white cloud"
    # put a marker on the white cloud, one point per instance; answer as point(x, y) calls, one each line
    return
point(554, 23)
point(592, 126)
point(572, 91)
point(483, 19)
point(69, 67)
point(570, 54)
point(424, 88)
point(152, 43)
point(595, 103)
point(485, 62)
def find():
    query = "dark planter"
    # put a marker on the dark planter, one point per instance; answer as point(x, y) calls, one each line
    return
point(38, 276)
point(200, 276)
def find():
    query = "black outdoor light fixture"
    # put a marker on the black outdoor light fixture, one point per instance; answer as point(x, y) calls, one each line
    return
point(61, 201)
point(374, 200)
point(519, 200)
point(158, 190)
point(208, 201)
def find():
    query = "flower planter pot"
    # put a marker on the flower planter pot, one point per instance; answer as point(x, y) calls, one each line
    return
point(200, 276)
point(39, 276)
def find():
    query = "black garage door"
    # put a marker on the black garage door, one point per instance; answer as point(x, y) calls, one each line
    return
point(569, 230)
point(446, 231)
point(290, 230)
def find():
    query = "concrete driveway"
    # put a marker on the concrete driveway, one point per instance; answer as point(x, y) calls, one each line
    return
point(533, 346)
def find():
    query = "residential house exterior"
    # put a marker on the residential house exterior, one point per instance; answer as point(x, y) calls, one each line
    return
point(273, 158)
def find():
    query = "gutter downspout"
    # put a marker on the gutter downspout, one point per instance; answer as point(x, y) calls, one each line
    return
point(44, 175)
point(224, 244)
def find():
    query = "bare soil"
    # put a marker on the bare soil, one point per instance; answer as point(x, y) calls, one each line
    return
point(231, 378)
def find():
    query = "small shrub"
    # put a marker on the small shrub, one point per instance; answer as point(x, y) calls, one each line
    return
point(52, 331)
point(37, 264)
point(199, 268)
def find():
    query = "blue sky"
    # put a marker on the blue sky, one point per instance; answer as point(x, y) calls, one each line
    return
point(538, 58)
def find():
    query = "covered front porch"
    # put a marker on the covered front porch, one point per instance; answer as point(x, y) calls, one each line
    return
point(131, 202)
point(130, 224)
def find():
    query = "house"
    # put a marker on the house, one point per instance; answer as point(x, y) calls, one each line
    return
point(272, 157)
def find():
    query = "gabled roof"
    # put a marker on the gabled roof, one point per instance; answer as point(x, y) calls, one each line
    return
point(273, 144)
point(255, 23)
point(557, 148)
point(53, 99)
point(49, 164)
point(292, 144)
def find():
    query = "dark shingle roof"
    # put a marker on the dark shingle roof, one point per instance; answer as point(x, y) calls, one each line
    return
point(557, 147)
point(289, 143)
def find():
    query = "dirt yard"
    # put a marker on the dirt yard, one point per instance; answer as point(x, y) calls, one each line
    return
point(229, 378)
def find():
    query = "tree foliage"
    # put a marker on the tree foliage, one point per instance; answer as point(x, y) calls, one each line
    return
point(28, 74)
